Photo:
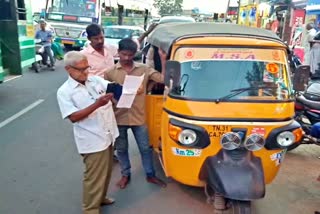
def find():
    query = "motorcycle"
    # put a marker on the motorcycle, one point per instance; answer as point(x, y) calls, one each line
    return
point(36, 65)
point(307, 114)
point(40, 56)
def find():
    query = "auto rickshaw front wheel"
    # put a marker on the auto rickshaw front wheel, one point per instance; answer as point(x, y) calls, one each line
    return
point(236, 207)
point(226, 206)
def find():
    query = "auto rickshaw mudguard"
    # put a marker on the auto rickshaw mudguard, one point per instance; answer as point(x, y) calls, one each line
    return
point(236, 174)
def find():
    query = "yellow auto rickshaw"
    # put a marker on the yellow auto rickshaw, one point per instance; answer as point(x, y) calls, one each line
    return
point(225, 118)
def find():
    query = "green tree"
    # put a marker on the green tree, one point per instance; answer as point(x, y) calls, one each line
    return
point(168, 7)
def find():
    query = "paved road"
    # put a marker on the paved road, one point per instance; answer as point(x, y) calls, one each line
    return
point(40, 171)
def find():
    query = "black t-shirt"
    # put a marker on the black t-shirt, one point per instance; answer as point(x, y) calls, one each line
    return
point(317, 36)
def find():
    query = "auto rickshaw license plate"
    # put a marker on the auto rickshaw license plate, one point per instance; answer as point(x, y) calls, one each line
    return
point(216, 131)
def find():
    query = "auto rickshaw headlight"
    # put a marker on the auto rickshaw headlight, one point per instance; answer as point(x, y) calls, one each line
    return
point(254, 142)
point(286, 138)
point(187, 137)
point(230, 141)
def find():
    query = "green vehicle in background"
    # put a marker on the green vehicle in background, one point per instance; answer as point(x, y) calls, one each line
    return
point(69, 19)
point(2, 74)
point(17, 49)
point(125, 12)
point(115, 17)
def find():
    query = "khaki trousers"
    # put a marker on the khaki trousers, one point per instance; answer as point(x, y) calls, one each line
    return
point(96, 179)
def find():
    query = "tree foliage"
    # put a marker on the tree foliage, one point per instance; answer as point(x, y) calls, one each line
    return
point(168, 7)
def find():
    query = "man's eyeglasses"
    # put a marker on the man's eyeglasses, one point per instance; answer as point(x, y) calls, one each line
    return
point(81, 69)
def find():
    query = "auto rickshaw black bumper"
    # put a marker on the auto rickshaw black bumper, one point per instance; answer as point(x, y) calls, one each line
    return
point(235, 174)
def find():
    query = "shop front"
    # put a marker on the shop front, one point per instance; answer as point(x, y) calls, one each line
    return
point(248, 13)
point(263, 15)
point(255, 14)
point(313, 11)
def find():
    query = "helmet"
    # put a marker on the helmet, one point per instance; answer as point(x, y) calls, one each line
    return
point(315, 130)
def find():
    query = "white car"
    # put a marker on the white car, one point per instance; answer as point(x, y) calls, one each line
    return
point(114, 33)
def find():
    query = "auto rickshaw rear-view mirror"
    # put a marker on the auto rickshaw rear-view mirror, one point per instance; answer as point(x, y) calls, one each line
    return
point(173, 70)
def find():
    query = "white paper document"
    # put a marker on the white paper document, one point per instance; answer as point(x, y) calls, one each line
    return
point(129, 90)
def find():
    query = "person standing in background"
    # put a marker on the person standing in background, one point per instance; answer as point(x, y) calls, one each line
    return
point(100, 55)
point(315, 54)
point(308, 37)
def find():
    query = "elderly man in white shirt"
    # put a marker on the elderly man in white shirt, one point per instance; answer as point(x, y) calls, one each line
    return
point(83, 100)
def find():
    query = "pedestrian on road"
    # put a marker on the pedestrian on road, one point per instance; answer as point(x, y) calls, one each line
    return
point(45, 36)
point(134, 118)
point(83, 100)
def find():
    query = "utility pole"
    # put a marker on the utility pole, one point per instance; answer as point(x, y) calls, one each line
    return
point(238, 12)
point(228, 7)
point(120, 14)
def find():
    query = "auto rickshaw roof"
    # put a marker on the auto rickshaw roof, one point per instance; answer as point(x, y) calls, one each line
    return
point(165, 35)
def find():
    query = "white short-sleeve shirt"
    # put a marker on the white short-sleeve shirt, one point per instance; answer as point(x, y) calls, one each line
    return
point(99, 130)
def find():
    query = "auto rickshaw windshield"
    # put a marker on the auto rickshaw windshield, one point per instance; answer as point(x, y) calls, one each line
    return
point(232, 73)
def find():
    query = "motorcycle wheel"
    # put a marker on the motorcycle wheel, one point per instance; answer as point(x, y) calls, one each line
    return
point(35, 67)
point(236, 207)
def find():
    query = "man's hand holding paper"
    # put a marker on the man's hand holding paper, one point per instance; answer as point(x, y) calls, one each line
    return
point(130, 89)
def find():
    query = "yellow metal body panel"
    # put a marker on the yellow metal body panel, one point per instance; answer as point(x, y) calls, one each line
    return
point(154, 105)
point(231, 109)
point(228, 41)
point(186, 169)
